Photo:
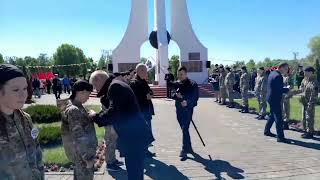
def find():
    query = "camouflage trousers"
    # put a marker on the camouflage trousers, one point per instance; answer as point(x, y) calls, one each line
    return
point(81, 172)
point(262, 105)
point(111, 144)
point(230, 94)
point(308, 118)
point(286, 109)
point(223, 93)
point(244, 95)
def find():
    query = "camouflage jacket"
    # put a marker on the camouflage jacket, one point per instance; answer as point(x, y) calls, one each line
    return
point(261, 86)
point(309, 88)
point(78, 133)
point(20, 153)
point(222, 79)
point(244, 82)
point(230, 80)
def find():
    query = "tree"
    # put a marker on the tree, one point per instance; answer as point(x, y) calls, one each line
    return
point(43, 60)
point(239, 64)
point(251, 65)
point(317, 67)
point(102, 62)
point(314, 45)
point(67, 54)
point(174, 63)
point(1, 59)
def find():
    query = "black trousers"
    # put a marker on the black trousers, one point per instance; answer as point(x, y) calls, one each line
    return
point(184, 116)
point(48, 89)
point(134, 160)
point(169, 90)
point(275, 116)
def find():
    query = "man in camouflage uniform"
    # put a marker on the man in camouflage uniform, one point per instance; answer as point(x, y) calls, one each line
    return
point(223, 91)
point(309, 87)
point(244, 87)
point(20, 153)
point(261, 92)
point(79, 135)
point(229, 83)
point(286, 102)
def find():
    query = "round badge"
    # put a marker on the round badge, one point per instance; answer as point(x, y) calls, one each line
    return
point(34, 133)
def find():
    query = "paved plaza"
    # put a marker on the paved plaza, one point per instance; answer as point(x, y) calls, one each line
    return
point(234, 142)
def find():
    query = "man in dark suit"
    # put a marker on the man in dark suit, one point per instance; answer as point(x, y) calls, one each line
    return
point(143, 93)
point(275, 91)
point(169, 77)
point(124, 114)
point(186, 98)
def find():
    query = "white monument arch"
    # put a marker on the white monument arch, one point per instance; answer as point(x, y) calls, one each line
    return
point(193, 54)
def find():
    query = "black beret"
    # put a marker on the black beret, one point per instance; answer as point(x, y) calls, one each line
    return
point(261, 68)
point(310, 69)
point(116, 74)
point(82, 85)
point(221, 66)
point(228, 68)
point(244, 67)
point(8, 72)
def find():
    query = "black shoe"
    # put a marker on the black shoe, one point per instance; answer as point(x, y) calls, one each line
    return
point(258, 117)
point(113, 167)
point(261, 118)
point(245, 111)
point(270, 134)
point(119, 163)
point(150, 154)
point(286, 126)
point(307, 136)
point(283, 140)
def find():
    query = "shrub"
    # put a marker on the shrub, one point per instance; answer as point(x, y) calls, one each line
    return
point(49, 135)
point(44, 113)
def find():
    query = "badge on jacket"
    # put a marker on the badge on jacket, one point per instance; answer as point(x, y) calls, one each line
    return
point(34, 133)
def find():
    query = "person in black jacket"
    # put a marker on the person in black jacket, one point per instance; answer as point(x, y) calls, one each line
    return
point(169, 77)
point(143, 93)
point(56, 86)
point(275, 91)
point(124, 114)
point(186, 98)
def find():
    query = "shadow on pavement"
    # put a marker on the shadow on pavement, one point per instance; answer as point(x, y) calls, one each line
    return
point(156, 169)
point(216, 167)
point(309, 145)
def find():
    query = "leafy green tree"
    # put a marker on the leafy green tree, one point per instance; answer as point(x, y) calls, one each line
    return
point(174, 63)
point(101, 63)
point(67, 54)
point(251, 65)
point(1, 59)
point(314, 45)
point(317, 67)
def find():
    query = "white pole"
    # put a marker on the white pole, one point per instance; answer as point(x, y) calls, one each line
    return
point(161, 27)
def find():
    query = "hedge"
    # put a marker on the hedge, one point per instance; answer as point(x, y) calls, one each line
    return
point(49, 135)
point(44, 113)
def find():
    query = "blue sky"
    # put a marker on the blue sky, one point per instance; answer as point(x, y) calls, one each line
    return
point(231, 29)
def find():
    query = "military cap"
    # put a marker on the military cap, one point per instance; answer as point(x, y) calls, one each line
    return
point(310, 69)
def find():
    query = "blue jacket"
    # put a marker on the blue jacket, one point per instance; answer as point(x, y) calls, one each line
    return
point(275, 88)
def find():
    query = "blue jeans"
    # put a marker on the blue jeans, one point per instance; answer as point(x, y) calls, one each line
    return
point(275, 116)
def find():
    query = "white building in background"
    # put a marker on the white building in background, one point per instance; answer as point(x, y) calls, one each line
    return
point(193, 54)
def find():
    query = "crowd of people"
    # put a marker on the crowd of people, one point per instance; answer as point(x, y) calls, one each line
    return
point(56, 85)
point(274, 86)
point(126, 114)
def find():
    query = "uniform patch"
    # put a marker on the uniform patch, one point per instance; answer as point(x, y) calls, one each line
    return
point(34, 133)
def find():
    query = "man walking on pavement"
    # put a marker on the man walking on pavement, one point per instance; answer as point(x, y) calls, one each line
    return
point(275, 90)
point(186, 99)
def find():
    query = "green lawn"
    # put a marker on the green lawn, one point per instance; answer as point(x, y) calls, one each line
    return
point(56, 154)
point(295, 110)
